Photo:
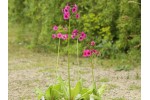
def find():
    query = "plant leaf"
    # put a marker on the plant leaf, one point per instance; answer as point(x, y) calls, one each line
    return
point(39, 93)
point(76, 90)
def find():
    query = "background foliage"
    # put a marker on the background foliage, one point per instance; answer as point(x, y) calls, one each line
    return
point(114, 24)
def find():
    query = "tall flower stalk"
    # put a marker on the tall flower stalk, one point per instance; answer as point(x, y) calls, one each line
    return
point(67, 16)
point(58, 36)
point(69, 64)
point(78, 59)
point(58, 58)
point(91, 53)
point(92, 66)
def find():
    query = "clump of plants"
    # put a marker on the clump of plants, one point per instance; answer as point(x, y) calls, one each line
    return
point(62, 90)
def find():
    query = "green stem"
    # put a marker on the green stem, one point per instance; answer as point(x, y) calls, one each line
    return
point(92, 70)
point(69, 65)
point(92, 65)
point(58, 58)
point(78, 59)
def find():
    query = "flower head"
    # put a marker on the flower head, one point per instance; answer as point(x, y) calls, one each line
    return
point(75, 32)
point(55, 28)
point(65, 36)
point(54, 36)
point(81, 38)
point(77, 16)
point(59, 35)
point(66, 15)
point(75, 8)
point(95, 52)
point(83, 35)
point(72, 36)
point(92, 43)
point(65, 10)
point(87, 53)
point(67, 7)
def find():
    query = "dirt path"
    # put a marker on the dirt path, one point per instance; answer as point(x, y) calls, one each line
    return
point(121, 85)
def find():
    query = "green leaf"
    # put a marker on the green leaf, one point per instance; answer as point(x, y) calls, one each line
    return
point(63, 86)
point(48, 92)
point(57, 94)
point(101, 90)
point(76, 90)
point(94, 97)
point(85, 93)
point(39, 93)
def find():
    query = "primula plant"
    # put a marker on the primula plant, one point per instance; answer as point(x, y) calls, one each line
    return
point(62, 90)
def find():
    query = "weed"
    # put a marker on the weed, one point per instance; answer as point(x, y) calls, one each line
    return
point(119, 98)
point(111, 86)
point(104, 79)
point(123, 67)
point(134, 87)
point(137, 77)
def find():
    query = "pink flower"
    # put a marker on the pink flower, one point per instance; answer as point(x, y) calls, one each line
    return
point(84, 53)
point(83, 35)
point(87, 53)
point(95, 52)
point(75, 32)
point(65, 36)
point(67, 7)
point(59, 35)
point(92, 43)
point(65, 10)
point(81, 38)
point(55, 28)
point(72, 36)
point(77, 16)
point(54, 36)
point(75, 8)
point(66, 15)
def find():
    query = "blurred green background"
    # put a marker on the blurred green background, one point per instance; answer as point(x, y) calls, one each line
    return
point(115, 25)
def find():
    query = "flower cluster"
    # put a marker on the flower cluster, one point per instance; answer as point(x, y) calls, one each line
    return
point(55, 28)
point(59, 35)
point(90, 52)
point(66, 11)
point(92, 43)
point(81, 36)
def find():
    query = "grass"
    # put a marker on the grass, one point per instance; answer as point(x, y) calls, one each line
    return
point(111, 86)
point(134, 87)
point(119, 98)
point(104, 79)
point(137, 76)
point(123, 67)
point(123, 61)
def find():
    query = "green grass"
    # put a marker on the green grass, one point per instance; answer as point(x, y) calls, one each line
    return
point(134, 87)
point(111, 86)
point(119, 98)
point(137, 76)
point(104, 79)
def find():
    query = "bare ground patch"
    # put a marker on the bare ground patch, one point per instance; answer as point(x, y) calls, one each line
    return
point(23, 81)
